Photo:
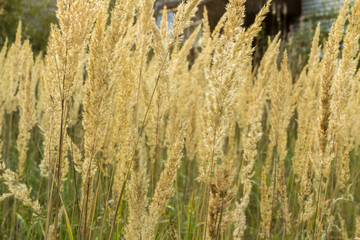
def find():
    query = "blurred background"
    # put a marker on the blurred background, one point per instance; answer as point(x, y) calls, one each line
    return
point(36, 16)
point(295, 18)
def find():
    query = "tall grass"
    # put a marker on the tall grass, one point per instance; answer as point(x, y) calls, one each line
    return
point(116, 134)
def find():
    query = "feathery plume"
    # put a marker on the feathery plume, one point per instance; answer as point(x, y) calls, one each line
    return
point(26, 99)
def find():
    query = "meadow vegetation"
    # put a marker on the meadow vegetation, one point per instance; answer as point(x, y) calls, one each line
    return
point(117, 133)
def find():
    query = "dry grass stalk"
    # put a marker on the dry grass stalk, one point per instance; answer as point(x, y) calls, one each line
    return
point(125, 104)
point(27, 104)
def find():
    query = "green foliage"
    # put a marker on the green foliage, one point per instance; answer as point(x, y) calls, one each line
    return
point(36, 16)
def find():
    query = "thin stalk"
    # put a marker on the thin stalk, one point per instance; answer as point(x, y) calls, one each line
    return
point(37, 197)
point(97, 190)
point(50, 189)
point(75, 182)
point(317, 205)
point(137, 142)
point(86, 206)
point(219, 223)
point(13, 220)
point(63, 111)
point(190, 218)
point(7, 160)
point(186, 174)
point(323, 205)
point(207, 185)
point(63, 108)
point(276, 159)
point(178, 209)
point(96, 195)
point(106, 205)
point(89, 182)
point(198, 210)
point(326, 185)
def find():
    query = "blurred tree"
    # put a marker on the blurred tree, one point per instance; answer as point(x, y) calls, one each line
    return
point(36, 16)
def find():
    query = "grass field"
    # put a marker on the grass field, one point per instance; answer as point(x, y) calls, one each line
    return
point(117, 133)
